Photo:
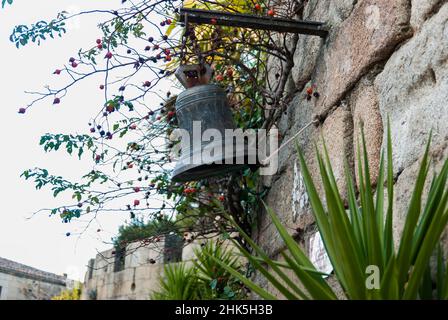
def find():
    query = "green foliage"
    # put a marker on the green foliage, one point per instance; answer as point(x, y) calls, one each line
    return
point(22, 34)
point(205, 279)
point(221, 283)
point(178, 283)
point(92, 294)
point(52, 142)
point(73, 294)
point(363, 237)
point(4, 2)
point(140, 230)
point(238, 57)
point(42, 178)
point(67, 215)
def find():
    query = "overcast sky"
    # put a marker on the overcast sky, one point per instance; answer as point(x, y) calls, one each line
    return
point(40, 241)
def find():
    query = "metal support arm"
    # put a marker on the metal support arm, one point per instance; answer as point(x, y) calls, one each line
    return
point(253, 22)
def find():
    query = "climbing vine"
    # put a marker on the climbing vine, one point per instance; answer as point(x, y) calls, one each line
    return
point(145, 41)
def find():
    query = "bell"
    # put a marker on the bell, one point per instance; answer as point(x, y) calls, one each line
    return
point(200, 108)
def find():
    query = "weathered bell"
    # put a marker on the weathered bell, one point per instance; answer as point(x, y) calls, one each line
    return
point(201, 108)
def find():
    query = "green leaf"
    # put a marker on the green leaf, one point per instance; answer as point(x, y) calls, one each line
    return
point(251, 285)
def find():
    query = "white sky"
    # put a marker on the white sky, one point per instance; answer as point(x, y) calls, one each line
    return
point(41, 242)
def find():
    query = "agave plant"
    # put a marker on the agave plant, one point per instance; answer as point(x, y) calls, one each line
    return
point(204, 279)
point(178, 283)
point(218, 282)
point(360, 236)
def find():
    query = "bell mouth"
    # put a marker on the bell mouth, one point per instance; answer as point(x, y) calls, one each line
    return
point(216, 165)
point(199, 172)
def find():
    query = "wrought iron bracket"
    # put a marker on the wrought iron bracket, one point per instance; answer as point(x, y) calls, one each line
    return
point(253, 22)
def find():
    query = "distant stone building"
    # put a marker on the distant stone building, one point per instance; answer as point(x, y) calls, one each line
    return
point(133, 272)
point(21, 282)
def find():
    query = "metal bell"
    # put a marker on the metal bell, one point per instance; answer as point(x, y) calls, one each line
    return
point(207, 104)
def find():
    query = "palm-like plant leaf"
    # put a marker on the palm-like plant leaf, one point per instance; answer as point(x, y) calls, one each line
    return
point(363, 236)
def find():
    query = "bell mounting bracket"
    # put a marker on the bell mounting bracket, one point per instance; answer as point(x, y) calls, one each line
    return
point(250, 21)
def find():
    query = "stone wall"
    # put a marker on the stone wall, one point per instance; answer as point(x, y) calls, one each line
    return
point(137, 278)
point(22, 282)
point(19, 288)
point(381, 59)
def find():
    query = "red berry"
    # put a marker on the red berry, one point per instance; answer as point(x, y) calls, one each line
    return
point(100, 46)
point(71, 60)
point(257, 7)
point(167, 51)
point(130, 166)
point(92, 130)
point(147, 84)
point(271, 12)
point(56, 101)
point(136, 189)
point(57, 71)
point(159, 117)
point(309, 91)
point(168, 21)
point(133, 126)
point(219, 77)
point(109, 55)
point(136, 202)
point(168, 58)
point(213, 21)
point(110, 108)
point(171, 114)
point(221, 198)
point(102, 87)
point(98, 157)
point(98, 41)
point(230, 72)
point(74, 64)
point(22, 110)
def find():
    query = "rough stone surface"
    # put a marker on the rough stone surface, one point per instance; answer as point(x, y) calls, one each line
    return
point(366, 37)
point(413, 91)
point(337, 132)
point(289, 202)
point(287, 196)
point(365, 109)
point(332, 281)
point(279, 69)
point(340, 10)
point(137, 279)
point(405, 186)
point(308, 48)
point(298, 115)
point(21, 282)
point(366, 71)
point(422, 9)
